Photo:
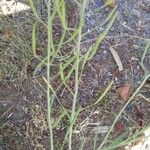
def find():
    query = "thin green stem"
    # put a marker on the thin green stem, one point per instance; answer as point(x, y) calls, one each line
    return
point(49, 106)
point(77, 53)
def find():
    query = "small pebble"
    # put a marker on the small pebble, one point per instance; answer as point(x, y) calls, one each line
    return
point(104, 52)
point(109, 74)
point(138, 67)
point(124, 23)
point(134, 58)
point(116, 79)
point(138, 82)
point(89, 30)
point(135, 47)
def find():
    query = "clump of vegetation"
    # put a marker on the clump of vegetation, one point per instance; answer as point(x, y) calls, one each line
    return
point(56, 42)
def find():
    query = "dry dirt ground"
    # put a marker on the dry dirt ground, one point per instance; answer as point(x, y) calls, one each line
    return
point(23, 101)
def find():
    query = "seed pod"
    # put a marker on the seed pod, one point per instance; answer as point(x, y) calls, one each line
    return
point(111, 3)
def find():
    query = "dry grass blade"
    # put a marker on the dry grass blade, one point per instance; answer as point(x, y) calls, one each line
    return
point(116, 58)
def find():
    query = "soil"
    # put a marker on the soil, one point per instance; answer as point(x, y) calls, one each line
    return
point(23, 101)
